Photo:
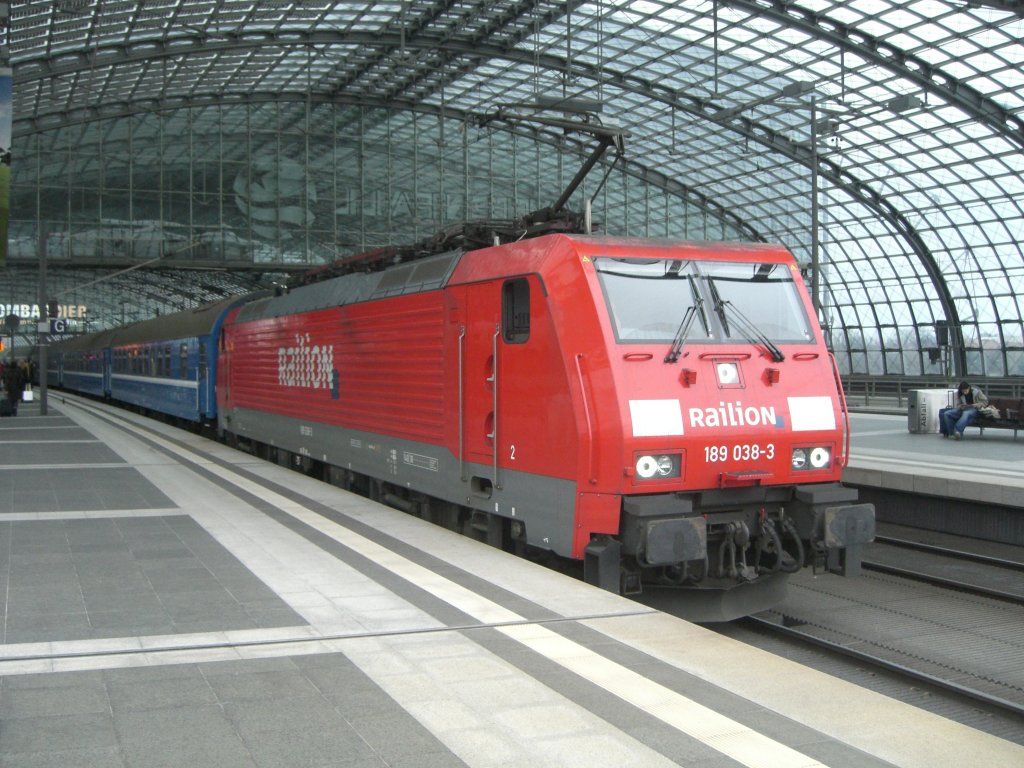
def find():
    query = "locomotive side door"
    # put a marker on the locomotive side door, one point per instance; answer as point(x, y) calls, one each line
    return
point(479, 362)
point(498, 324)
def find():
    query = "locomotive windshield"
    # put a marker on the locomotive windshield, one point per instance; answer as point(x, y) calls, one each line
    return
point(651, 300)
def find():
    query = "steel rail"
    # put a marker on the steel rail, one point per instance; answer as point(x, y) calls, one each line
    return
point(942, 581)
point(974, 694)
point(976, 557)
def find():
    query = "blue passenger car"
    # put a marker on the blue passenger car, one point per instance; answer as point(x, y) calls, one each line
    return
point(166, 364)
point(81, 363)
point(169, 364)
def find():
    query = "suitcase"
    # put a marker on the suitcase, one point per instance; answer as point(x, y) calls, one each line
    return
point(6, 409)
point(942, 412)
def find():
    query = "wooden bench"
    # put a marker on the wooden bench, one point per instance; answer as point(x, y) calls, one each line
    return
point(1011, 415)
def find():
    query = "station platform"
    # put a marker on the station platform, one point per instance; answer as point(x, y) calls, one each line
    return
point(984, 468)
point(169, 601)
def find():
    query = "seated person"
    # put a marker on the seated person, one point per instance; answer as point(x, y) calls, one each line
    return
point(954, 421)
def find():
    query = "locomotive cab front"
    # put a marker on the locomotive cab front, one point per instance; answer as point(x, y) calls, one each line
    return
point(734, 430)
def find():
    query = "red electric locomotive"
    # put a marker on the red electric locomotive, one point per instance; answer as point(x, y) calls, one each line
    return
point(665, 413)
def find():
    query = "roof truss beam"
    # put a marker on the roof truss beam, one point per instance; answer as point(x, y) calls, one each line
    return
point(902, 64)
point(696, 105)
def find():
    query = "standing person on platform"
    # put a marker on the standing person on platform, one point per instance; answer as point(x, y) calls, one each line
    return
point(14, 384)
point(964, 411)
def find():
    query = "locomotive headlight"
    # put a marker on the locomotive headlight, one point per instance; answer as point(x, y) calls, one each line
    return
point(728, 374)
point(799, 458)
point(817, 457)
point(658, 466)
point(820, 457)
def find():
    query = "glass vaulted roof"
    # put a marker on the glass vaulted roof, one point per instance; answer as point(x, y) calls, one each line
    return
point(881, 141)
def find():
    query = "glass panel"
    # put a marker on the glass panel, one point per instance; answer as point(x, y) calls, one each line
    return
point(657, 299)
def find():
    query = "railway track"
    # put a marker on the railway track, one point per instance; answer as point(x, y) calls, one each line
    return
point(979, 689)
point(937, 617)
point(949, 566)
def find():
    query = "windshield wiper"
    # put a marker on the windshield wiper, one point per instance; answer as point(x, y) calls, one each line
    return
point(698, 301)
point(719, 307)
point(743, 324)
point(680, 338)
point(683, 332)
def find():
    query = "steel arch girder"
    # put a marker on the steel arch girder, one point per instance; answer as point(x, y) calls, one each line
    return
point(932, 79)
